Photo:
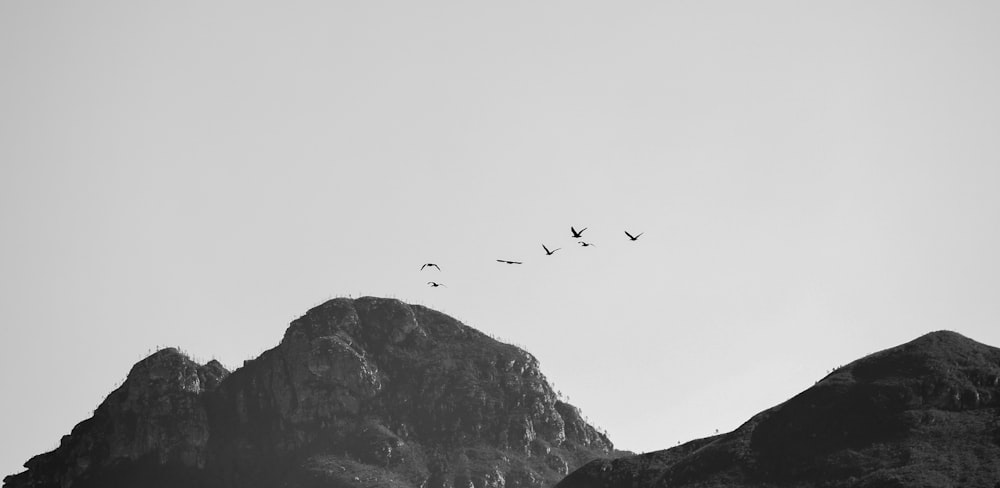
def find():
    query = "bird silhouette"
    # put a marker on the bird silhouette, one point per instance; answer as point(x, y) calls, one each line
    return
point(549, 253)
point(585, 244)
point(430, 264)
point(435, 284)
point(577, 234)
point(634, 237)
point(508, 262)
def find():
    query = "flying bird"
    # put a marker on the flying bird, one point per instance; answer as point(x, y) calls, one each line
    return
point(585, 244)
point(577, 234)
point(435, 284)
point(430, 264)
point(508, 262)
point(549, 253)
point(634, 237)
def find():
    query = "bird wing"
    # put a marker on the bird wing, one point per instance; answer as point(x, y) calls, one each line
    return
point(422, 267)
point(436, 266)
point(640, 235)
point(630, 236)
point(546, 249)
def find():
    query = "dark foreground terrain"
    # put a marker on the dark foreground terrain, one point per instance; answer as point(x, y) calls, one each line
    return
point(359, 393)
point(924, 414)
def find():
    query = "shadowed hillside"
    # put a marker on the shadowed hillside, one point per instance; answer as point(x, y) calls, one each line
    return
point(924, 414)
point(359, 393)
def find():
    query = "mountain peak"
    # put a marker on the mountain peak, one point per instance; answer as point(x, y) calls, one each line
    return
point(953, 363)
point(944, 335)
point(387, 320)
point(920, 414)
point(359, 392)
point(169, 369)
point(941, 343)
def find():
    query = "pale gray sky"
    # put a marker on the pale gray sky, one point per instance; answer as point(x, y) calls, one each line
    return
point(816, 181)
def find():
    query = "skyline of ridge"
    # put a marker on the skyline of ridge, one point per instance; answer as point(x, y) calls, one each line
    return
point(814, 182)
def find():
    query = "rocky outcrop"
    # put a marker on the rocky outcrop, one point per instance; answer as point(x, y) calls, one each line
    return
point(366, 392)
point(924, 414)
point(156, 417)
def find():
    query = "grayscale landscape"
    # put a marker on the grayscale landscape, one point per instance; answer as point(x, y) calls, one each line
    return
point(443, 244)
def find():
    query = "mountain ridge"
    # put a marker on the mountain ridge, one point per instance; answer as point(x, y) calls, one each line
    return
point(358, 392)
point(924, 413)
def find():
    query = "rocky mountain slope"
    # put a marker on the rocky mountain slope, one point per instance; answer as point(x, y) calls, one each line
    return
point(359, 393)
point(924, 414)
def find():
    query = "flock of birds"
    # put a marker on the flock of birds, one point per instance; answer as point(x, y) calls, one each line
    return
point(576, 234)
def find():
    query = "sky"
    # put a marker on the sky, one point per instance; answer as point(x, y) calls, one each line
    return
point(815, 181)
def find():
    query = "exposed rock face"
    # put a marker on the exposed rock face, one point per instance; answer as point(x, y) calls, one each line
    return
point(155, 418)
point(366, 392)
point(924, 414)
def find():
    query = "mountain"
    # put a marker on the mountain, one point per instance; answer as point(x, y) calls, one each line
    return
point(923, 414)
point(359, 393)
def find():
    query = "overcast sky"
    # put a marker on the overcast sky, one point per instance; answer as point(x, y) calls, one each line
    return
point(816, 181)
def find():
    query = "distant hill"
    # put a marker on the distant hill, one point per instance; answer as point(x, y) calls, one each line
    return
point(923, 414)
point(359, 393)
